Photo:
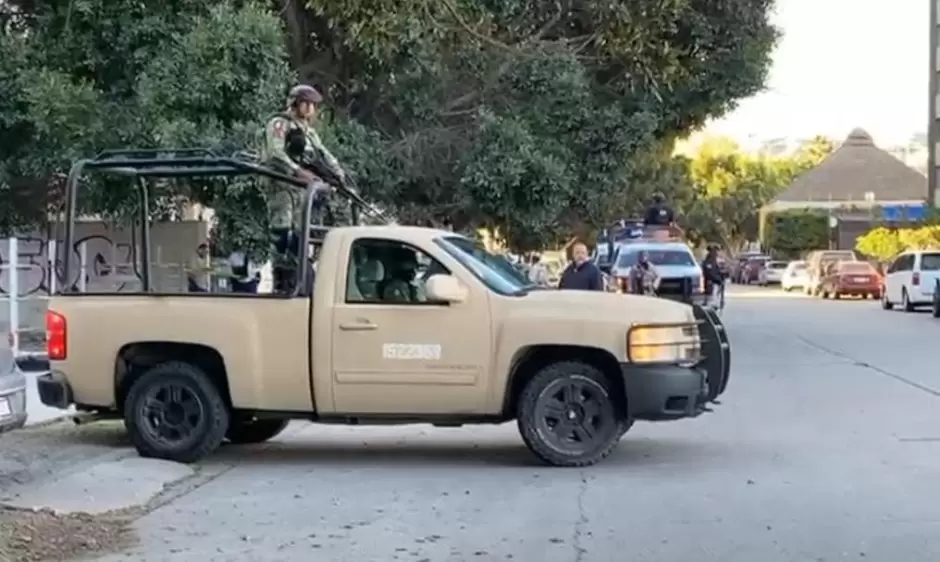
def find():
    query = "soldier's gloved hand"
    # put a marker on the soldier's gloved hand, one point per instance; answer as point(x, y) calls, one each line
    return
point(305, 175)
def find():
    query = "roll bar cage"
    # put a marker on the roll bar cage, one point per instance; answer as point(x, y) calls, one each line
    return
point(146, 164)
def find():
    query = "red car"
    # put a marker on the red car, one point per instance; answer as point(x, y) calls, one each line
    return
point(851, 278)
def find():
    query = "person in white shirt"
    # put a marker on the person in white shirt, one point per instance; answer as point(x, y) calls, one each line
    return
point(538, 273)
point(245, 274)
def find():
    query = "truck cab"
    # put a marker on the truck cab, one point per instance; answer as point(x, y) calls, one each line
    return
point(398, 325)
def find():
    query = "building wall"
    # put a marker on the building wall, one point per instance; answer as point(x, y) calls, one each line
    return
point(108, 257)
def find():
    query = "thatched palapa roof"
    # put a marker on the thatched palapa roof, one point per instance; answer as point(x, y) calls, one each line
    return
point(854, 169)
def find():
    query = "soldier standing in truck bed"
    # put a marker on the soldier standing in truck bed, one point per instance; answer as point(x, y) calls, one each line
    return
point(290, 144)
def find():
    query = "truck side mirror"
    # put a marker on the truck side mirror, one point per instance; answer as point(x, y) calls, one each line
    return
point(445, 288)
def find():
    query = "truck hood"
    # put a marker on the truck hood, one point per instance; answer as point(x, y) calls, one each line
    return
point(667, 271)
point(602, 307)
point(590, 319)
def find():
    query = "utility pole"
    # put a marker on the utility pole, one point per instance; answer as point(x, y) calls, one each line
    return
point(933, 127)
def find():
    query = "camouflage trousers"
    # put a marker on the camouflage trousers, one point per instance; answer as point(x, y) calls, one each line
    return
point(286, 216)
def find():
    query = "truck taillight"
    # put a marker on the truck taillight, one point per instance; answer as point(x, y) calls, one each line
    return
point(56, 336)
point(915, 279)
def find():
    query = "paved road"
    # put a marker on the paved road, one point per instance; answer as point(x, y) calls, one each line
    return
point(827, 447)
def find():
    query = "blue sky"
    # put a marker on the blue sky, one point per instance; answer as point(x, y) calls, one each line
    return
point(842, 64)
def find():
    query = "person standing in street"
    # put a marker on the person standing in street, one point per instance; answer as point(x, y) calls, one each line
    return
point(711, 270)
point(538, 273)
point(581, 274)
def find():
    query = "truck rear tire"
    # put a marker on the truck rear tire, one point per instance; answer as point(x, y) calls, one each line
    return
point(174, 411)
point(249, 431)
point(567, 415)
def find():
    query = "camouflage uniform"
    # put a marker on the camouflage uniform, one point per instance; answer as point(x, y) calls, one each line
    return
point(285, 203)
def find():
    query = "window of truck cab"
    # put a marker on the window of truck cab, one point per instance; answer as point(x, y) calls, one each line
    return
point(388, 272)
point(494, 271)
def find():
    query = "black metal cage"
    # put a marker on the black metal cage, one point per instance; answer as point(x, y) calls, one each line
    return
point(146, 164)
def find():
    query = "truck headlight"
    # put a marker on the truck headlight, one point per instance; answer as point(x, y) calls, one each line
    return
point(664, 343)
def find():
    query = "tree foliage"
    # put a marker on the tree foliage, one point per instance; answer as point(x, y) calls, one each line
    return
point(80, 76)
point(884, 243)
point(534, 119)
point(730, 187)
point(792, 233)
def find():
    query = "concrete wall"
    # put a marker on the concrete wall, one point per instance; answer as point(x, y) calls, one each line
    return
point(108, 263)
point(108, 258)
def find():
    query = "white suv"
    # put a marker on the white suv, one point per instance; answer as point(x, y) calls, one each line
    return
point(910, 280)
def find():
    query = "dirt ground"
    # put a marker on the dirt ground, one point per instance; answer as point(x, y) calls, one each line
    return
point(36, 454)
point(43, 536)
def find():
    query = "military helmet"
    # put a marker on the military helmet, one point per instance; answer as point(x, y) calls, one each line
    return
point(303, 93)
point(658, 197)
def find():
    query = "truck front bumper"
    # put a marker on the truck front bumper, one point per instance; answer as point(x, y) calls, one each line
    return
point(664, 392)
point(671, 392)
point(54, 390)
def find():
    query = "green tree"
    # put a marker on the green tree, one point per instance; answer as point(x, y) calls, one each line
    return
point(880, 243)
point(531, 118)
point(527, 117)
point(731, 186)
point(80, 76)
point(792, 233)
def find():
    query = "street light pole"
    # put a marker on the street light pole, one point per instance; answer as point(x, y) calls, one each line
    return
point(933, 132)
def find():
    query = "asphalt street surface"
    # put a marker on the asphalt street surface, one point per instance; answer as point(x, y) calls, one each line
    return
point(826, 447)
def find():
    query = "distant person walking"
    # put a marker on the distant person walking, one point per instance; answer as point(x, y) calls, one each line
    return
point(538, 273)
point(581, 274)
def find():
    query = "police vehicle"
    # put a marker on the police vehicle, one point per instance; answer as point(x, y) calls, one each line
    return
point(679, 272)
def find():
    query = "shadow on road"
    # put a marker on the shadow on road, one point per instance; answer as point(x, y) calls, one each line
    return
point(444, 454)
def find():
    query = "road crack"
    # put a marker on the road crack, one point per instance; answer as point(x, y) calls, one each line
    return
point(869, 366)
point(581, 523)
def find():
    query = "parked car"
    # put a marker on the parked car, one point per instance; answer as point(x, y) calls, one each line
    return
point(851, 278)
point(818, 264)
point(751, 269)
point(772, 273)
point(738, 262)
point(911, 279)
point(12, 390)
point(795, 276)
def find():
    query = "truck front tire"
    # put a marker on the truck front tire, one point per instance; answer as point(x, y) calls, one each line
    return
point(249, 431)
point(567, 415)
point(174, 411)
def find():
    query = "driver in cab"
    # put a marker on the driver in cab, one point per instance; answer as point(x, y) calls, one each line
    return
point(400, 286)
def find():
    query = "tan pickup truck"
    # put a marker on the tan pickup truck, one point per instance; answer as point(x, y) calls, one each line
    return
point(399, 325)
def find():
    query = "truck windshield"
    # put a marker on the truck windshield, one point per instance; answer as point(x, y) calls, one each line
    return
point(495, 271)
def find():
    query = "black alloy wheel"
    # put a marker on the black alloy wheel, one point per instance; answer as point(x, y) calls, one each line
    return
point(174, 411)
point(568, 416)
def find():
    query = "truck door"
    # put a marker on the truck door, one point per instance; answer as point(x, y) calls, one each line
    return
point(396, 353)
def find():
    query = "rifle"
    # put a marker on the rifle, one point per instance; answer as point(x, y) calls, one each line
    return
point(296, 147)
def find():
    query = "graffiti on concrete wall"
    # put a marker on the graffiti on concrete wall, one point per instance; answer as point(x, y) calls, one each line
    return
point(109, 264)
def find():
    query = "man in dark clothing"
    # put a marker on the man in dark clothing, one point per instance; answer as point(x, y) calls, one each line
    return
point(711, 271)
point(659, 213)
point(581, 275)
